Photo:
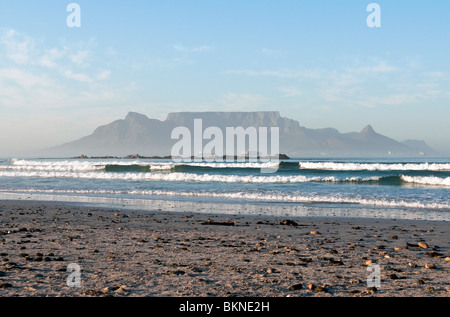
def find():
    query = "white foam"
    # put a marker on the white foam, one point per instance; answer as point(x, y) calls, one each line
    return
point(426, 180)
point(28, 165)
point(234, 165)
point(83, 165)
point(179, 177)
point(375, 166)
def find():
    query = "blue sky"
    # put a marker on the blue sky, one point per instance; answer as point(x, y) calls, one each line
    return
point(314, 61)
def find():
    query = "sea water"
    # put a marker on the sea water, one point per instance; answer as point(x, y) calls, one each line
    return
point(413, 188)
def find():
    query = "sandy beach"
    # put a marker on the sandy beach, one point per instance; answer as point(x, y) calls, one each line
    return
point(131, 253)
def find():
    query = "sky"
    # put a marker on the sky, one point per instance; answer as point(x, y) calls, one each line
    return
point(318, 62)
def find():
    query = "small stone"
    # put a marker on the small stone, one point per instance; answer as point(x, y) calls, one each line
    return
point(312, 286)
point(305, 260)
point(372, 290)
point(413, 265)
point(430, 266)
point(434, 254)
point(333, 251)
point(393, 277)
point(315, 232)
point(320, 289)
point(394, 236)
point(369, 262)
point(296, 287)
point(335, 262)
point(354, 281)
point(354, 291)
point(422, 245)
point(447, 259)
point(5, 285)
point(289, 223)
point(420, 282)
point(290, 263)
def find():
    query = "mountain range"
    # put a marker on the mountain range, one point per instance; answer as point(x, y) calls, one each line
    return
point(138, 133)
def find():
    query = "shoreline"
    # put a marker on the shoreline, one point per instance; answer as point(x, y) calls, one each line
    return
point(256, 208)
point(138, 253)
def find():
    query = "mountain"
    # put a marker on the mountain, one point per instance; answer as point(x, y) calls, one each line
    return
point(150, 137)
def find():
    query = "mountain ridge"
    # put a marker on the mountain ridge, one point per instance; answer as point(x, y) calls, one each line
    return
point(137, 133)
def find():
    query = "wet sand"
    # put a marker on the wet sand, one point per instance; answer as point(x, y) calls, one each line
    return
point(185, 254)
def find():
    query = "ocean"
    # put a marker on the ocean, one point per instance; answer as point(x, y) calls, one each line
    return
point(403, 188)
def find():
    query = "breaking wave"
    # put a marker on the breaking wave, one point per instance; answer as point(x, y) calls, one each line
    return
point(375, 166)
point(182, 177)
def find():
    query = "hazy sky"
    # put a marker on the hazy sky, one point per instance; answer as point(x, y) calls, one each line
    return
point(314, 61)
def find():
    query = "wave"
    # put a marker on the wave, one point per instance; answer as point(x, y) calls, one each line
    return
point(184, 177)
point(375, 166)
point(266, 197)
point(128, 166)
point(426, 180)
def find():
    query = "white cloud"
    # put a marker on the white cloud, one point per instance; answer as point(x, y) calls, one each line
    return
point(78, 76)
point(104, 75)
point(17, 47)
point(80, 57)
point(22, 78)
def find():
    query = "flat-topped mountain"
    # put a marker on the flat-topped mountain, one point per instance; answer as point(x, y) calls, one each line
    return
point(138, 133)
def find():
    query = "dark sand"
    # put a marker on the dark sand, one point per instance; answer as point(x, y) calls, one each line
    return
point(157, 253)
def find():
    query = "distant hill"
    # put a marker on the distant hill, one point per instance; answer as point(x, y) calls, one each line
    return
point(138, 134)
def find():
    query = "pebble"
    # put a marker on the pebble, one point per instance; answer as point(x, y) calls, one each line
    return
point(320, 289)
point(422, 245)
point(434, 254)
point(420, 282)
point(354, 291)
point(447, 259)
point(289, 223)
point(315, 232)
point(335, 262)
point(296, 287)
point(393, 277)
point(430, 266)
point(5, 285)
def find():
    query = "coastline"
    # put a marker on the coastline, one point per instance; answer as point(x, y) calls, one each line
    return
point(129, 252)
